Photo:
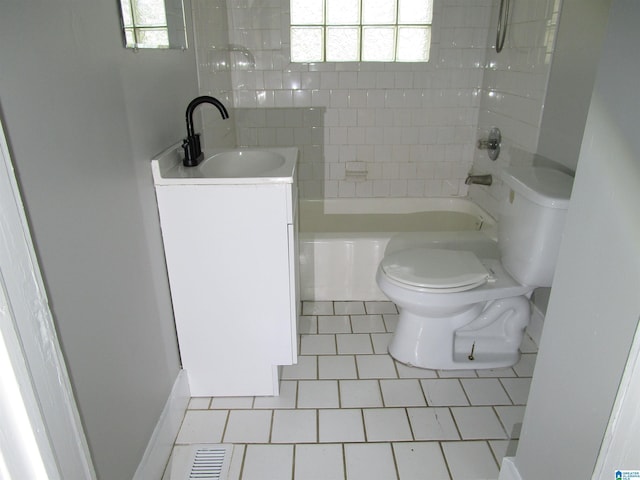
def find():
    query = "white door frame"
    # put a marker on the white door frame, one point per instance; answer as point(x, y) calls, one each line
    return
point(620, 448)
point(44, 435)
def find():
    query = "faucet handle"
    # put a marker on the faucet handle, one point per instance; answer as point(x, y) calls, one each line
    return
point(188, 153)
point(491, 143)
point(487, 144)
point(192, 152)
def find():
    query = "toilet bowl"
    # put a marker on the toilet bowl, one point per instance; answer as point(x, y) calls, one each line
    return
point(458, 311)
point(446, 323)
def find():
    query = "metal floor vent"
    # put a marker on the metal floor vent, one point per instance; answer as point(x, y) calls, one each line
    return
point(201, 462)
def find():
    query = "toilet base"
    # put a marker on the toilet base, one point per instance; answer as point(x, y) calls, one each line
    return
point(485, 336)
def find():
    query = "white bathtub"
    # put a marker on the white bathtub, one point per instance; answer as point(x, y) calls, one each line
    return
point(342, 241)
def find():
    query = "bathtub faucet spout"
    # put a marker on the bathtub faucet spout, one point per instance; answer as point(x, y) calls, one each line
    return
point(479, 180)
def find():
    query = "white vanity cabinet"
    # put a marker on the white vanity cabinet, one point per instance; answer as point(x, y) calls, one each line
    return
point(232, 258)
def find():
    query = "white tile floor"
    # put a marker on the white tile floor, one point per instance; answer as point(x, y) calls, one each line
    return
point(348, 411)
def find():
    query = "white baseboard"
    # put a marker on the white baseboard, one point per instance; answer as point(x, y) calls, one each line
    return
point(163, 437)
point(509, 471)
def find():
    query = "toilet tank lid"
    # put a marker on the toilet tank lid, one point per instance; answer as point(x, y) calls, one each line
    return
point(544, 186)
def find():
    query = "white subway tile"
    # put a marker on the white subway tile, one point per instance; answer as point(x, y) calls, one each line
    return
point(346, 189)
point(433, 109)
point(302, 98)
point(283, 98)
point(357, 99)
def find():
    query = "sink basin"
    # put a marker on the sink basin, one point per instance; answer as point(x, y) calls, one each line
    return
point(227, 166)
point(240, 163)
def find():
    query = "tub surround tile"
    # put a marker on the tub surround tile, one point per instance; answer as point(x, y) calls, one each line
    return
point(377, 108)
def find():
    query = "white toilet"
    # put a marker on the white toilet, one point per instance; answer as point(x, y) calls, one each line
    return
point(458, 311)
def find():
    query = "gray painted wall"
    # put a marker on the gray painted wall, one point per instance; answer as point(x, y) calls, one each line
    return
point(578, 45)
point(594, 304)
point(83, 117)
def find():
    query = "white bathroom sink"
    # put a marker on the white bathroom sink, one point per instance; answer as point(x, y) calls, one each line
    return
point(227, 166)
point(241, 163)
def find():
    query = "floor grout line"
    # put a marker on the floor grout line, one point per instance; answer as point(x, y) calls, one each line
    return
point(448, 448)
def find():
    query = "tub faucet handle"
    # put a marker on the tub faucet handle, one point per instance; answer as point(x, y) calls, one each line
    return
point(492, 143)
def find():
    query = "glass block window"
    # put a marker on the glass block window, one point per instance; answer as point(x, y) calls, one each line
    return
point(145, 23)
point(360, 30)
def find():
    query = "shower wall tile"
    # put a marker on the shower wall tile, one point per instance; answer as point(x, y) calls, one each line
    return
point(399, 122)
point(211, 30)
point(412, 127)
point(513, 93)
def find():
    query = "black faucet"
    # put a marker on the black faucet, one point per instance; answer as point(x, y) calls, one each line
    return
point(191, 145)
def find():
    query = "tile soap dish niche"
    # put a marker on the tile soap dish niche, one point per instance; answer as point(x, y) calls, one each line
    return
point(230, 57)
point(356, 171)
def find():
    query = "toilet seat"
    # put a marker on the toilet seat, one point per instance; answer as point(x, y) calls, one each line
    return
point(436, 270)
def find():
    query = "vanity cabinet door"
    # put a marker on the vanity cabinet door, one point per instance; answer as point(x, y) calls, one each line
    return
point(231, 254)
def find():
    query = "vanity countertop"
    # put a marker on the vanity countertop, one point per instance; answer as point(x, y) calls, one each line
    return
point(227, 166)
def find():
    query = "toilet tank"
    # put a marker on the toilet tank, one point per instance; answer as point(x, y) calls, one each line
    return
point(531, 221)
